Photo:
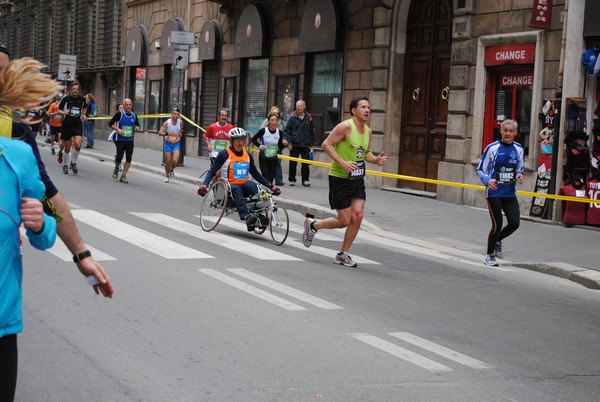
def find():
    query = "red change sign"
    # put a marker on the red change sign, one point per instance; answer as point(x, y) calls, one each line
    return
point(520, 53)
point(518, 79)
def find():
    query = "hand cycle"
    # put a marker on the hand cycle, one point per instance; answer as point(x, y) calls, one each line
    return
point(218, 202)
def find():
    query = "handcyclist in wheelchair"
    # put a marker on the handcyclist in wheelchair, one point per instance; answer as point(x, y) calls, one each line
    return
point(236, 165)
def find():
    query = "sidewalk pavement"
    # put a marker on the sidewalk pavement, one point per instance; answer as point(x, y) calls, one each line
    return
point(432, 226)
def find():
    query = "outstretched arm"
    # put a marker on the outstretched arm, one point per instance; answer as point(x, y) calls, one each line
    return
point(69, 234)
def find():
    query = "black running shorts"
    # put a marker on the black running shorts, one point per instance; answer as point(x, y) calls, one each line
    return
point(342, 191)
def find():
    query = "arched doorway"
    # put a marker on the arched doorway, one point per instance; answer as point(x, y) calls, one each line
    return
point(426, 90)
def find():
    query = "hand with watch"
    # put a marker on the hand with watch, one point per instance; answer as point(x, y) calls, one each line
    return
point(92, 270)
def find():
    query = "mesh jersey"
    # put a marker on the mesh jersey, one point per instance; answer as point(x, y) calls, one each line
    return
point(574, 211)
point(593, 212)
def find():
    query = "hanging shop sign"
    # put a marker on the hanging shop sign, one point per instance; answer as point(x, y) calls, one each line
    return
point(541, 14)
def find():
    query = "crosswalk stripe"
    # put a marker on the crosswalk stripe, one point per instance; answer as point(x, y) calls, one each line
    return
point(261, 294)
point(402, 353)
point(298, 294)
point(136, 236)
point(328, 252)
point(294, 243)
point(61, 251)
point(232, 243)
point(441, 350)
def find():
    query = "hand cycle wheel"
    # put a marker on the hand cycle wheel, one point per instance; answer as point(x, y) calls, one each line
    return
point(260, 230)
point(213, 205)
point(279, 225)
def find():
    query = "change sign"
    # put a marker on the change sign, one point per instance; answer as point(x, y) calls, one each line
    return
point(67, 66)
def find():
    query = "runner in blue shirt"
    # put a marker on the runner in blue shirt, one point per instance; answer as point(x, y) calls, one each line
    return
point(500, 169)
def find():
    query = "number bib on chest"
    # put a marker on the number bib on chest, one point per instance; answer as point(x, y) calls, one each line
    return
point(505, 175)
point(240, 170)
point(359, 171)
point(271, 150)
point(127, 131)
point(172, 139)
point(220, 145)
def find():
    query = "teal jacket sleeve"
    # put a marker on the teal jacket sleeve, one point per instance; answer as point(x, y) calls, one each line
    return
point(31, 186)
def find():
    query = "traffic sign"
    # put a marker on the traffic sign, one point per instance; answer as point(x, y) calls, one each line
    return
point(181, 56)
point(183, 38)
point(67, 67)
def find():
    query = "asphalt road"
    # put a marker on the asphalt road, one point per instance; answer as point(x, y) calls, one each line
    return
point(229, 316)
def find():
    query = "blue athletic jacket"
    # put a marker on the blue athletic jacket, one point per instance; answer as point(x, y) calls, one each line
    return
point(19, 178)
point(501, 162)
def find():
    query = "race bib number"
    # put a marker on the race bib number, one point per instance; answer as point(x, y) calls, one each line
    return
point(579, 193)
point(127, 131)
point(271, 150)
point(172, 139)
point(359, 171)
point(240, 170)
point(75, 111)
point(220, 145)
point(505, 175)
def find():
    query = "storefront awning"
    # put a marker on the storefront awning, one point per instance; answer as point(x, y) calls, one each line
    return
point(249, 35)
point(166, 47)
point(209, 45)
point(319, 29)
point(137, 47)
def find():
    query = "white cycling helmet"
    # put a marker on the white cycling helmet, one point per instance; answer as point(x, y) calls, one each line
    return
point(237, 132)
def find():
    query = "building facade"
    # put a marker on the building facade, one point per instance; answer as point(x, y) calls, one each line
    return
point(440, 74)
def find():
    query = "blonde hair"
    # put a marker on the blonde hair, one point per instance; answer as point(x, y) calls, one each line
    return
point(89, 95)
point(23, 85)
point(273, 109)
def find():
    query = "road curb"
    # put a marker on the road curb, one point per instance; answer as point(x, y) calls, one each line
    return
point(583, 276)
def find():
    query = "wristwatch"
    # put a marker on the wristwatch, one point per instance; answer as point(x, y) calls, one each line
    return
point(81, 256)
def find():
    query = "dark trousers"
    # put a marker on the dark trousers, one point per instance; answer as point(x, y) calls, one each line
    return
point(279, 174)
point(238, 192)
point(295, 152)
point(8, 367)
point(268, 168)
point(496, 205)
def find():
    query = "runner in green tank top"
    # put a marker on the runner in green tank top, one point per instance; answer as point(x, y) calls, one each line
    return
point(349, 146)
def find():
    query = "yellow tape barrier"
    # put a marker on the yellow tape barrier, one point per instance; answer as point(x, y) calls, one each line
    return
point(153, 116)
point(445, 183)
point(384, 174)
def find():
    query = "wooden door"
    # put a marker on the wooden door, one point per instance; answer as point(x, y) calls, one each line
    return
point(426, 91)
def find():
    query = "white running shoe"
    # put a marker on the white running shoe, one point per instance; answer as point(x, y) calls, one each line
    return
point(344, 259)
point(490, 261)
point(309, 232)
point(167, 179)
point(498, 250)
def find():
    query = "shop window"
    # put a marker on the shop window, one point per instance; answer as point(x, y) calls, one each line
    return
point(256, 83)
point(113, 100)
point(229, 96)
point(327, 71)
point(137, 91)
point(192, 107)
point(286, 88)
point(175, 88)
point(509, 96)
point(154, 104)
point(323, 100)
